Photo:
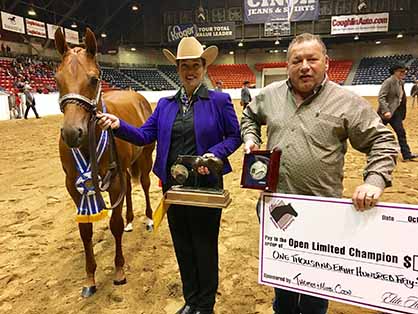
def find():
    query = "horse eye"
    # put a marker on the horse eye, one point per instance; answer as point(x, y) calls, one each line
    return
point(94, 80)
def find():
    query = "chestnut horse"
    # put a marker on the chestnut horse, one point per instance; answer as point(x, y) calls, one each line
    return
point(78, 81)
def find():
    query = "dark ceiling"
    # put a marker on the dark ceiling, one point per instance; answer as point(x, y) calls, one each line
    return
point(115, 18)
point(144, 27)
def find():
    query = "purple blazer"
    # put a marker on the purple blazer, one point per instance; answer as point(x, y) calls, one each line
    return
point(215, 125)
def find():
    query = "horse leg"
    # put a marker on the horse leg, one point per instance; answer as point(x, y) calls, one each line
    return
point(145, 162)
point(117, 226)
point(129, 210)
point(86, 233)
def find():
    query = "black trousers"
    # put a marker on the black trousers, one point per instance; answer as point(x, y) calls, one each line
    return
point(195, 232)
point(396, 122)
point(288, 302)
point(29, 106)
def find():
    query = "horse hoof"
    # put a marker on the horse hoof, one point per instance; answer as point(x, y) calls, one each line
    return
point(88, 291)
point(129, 227)
point(149, 225)
point(119, 282)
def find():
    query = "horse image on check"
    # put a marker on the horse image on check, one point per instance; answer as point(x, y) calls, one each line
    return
point(93, 161)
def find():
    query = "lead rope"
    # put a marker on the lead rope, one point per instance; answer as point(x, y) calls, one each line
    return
point(114, 164)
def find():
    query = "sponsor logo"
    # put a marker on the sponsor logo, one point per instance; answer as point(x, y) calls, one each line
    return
point(282, 214)
point(177, 32)
point(12, 20)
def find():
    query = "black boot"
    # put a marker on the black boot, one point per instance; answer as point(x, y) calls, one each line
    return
point(186, 309)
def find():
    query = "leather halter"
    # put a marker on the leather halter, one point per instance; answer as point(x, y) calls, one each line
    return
point(114, 168)
point(90, 105)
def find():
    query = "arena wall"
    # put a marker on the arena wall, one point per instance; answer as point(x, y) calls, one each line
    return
point(47, 104)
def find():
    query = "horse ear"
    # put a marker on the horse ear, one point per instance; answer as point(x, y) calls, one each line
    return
point(60, 42)
point(90, 42)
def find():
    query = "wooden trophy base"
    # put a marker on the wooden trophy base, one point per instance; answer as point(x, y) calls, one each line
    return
point(198, 197)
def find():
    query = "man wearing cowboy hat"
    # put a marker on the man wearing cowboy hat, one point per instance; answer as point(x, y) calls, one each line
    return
point(392, 106)
point(195, 121)
point(30, 101)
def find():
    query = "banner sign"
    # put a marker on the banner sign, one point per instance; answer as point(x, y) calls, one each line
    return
point(35, 28)
point(216, 31)
point(262, 11)
point(177, 32)
point(353, 24)
point(325, 248)
point(51, 28)
point(204, 32)
point(71, 36)
point(276, 29)
point(13, 23)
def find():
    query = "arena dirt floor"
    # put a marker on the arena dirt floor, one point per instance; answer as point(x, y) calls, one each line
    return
point(42, 259)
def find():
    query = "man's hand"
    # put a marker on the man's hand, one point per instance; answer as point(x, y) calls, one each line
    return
point(387, 115)
point(249, 146)
point(106, 120)
point(366, 196)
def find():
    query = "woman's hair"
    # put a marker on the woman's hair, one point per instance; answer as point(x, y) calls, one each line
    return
point(203, 62)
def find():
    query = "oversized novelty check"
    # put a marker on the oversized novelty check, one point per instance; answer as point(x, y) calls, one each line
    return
point(324, 247)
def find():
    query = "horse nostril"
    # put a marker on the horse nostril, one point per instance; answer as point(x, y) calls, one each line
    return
point(80, 132)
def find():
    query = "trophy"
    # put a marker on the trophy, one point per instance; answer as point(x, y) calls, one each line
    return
point(260, 170)
point(195, 189)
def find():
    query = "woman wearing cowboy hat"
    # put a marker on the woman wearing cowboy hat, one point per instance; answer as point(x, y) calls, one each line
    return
point(195, 121)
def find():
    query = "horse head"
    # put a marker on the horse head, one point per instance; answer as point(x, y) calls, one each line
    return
point(78, 82)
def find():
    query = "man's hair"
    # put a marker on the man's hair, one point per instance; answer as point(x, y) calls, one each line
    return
point(303, 38)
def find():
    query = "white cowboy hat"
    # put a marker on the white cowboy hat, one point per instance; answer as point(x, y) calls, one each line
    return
point(190, 48)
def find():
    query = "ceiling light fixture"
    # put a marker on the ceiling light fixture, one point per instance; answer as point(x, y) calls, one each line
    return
point(378, 42)
point(356, 37)
point(135, 7)
point(231, 52)
point(73, 25)
point(103, 35)
point(31, 12)
point(133, 49)
point(277, 42)
point(240, 44)
point(400, 35)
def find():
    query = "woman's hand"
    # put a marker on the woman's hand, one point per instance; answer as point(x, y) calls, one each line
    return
point(106, 120)
point(202, 169)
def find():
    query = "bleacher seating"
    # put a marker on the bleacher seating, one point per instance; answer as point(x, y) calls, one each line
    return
point(39, 74)
point(6, 81)
point(232, 75)
point(171, 72)
point(412, 74)
point(374, 70)
point(150, 78)
point(338, 70)
point(260, 66)
point(118, 79)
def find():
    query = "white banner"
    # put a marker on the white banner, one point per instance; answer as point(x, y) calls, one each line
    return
point(51, 28)
point(35, 28)
point(353, 24)
point(13, 23)
point(71, 36)
point(324, 247)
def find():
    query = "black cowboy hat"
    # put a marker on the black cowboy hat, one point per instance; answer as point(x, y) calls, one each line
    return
point(397, 66)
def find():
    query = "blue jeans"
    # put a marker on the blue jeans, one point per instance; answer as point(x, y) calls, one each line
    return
point(288, 302)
